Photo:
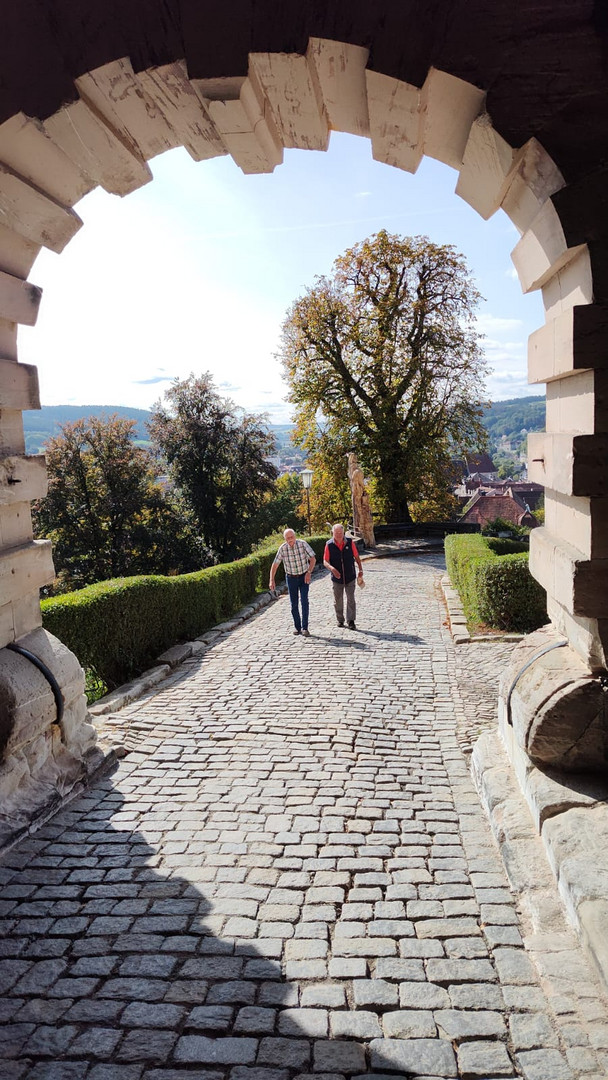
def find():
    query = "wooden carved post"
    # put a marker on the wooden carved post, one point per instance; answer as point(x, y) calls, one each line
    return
point(362, 514)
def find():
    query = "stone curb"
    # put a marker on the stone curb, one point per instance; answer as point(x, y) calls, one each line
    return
point(457, 622)
point(456, 617)
point(571, 826)
point(173, 657)
point(130, 691)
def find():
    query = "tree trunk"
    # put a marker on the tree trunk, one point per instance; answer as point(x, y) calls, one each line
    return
point(392, 487)
point(399, 513)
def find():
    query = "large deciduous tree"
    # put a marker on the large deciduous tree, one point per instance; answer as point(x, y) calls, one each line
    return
point(105, 513)
point(218, 457)
point(383, 357)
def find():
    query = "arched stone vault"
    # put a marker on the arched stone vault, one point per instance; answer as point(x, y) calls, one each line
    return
point(515, 100)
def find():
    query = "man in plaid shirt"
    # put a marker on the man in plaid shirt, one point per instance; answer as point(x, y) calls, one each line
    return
point(298, 559)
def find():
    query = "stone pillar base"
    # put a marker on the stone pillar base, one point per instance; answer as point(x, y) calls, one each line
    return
point(41, 760)
point(555, 707)
point(551, 748)
point(569, 816)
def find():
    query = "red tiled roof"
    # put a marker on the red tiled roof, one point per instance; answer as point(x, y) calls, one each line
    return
point(487, 508)
point(480, 463)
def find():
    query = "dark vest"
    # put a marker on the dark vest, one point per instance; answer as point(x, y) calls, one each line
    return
point(344, 561)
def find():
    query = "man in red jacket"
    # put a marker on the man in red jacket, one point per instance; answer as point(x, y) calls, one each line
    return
point(340, 557)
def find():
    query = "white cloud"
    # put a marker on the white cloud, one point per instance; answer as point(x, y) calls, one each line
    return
point(494, 324)
point(505, 349)
point(148, 303)
point(195, 272)
point(510, 384)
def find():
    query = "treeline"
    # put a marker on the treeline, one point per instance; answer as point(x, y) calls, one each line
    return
point(40, 425)
point(381, 358)
point(512, 417)
point(499, 418)
point(205, 492)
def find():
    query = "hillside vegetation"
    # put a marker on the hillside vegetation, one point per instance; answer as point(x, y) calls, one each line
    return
point(511, 418)
point(508, 418)
point(41, 424)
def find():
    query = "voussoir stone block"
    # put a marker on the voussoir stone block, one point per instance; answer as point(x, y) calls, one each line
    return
point(555, 706)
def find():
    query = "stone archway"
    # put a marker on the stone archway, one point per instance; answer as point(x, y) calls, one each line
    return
point(474, 88)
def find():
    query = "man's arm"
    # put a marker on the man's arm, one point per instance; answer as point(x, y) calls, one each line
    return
point(357, 559)
point(332, 569)
point(311, 565)
point(273, 569)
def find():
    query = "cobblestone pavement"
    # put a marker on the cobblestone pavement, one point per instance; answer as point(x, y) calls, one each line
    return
point(477, 670)
point(291, 877)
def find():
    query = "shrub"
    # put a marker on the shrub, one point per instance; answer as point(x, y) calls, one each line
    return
point(117, 628)
point(500, 545)
point(495, 583)
point(501, 528)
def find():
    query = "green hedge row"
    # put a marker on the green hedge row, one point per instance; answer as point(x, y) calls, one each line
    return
point(495, 583)
point(117, 628)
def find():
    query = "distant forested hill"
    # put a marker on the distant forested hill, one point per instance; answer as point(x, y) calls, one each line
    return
point(501, 418)
point(40, 424)
point(511, 418)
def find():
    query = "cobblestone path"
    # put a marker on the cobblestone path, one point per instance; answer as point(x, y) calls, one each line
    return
point(291, 877)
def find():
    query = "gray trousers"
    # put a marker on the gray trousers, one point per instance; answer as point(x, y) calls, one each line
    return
point(351, 607)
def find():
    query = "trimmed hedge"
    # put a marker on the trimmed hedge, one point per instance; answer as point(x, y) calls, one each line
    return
point(117, 628)
point(495, 583)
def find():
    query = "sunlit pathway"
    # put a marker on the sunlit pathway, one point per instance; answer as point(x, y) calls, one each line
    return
point(292, 877)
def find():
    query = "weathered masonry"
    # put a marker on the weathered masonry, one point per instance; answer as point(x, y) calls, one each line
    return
point(512, 96)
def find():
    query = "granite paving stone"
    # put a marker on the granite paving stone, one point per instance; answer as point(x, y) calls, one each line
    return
point(432, 1056)
point(531, 1030)
point(144, 1044)
point(65, 1070)
point(51, 1041)
point(543, 1065)
point(409, 1024)
point(221, 1051)
point(360, 1025)
point(330, 1056)
point(457, 1024)
point(97, 1042)
point(295, 1053)
point(480, 1060)
point(289, 875)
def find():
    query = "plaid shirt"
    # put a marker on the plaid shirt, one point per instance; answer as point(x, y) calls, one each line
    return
point(296, 558)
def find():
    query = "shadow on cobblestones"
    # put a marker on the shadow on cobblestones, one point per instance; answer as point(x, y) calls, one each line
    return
point(290, 877)
point(110, 970)
point(350, 643)
point(106, 960)
point(408, 639)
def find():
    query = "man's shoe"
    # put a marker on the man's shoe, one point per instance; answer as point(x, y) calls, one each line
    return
point(297, 632)
point(305, 633)
point(351, 626)
point(340, 622)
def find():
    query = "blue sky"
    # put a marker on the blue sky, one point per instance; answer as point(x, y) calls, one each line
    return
point(195, 272)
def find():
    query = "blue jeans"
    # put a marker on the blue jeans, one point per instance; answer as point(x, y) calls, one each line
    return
point(298, 588)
